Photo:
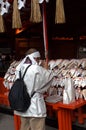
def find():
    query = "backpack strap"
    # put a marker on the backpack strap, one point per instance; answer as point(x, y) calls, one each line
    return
point(24, 72)
point(33, 94)
point(23, 77)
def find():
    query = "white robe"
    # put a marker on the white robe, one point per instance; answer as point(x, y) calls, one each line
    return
point(37, 79)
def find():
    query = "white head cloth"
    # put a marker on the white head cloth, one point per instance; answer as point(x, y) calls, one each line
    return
point(31, 57)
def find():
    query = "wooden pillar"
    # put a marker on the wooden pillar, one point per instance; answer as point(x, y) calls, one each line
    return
point(45, 35)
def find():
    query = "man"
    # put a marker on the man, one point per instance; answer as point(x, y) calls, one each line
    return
point(37, 79)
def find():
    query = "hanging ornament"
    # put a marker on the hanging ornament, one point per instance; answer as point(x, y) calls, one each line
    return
point(7, 5)
point(60, 14)
point(2, 29)
point(35, 12)
point(1, 2)
point(21, 4)
point(16, 20)
point(41, 1)
point(4, 7)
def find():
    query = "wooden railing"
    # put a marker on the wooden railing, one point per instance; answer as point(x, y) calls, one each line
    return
point(79, 113)
point(3, 93)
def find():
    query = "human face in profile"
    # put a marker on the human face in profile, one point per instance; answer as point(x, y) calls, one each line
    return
point(37, 59)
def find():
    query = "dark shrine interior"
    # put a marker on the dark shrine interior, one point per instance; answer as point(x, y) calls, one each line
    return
point(64, 40)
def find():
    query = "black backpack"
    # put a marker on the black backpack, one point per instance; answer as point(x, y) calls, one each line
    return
point(19, 98)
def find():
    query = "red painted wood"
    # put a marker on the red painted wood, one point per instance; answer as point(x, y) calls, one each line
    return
point(45, 35)
point(3, 93)
point(65, 115)
point(17, 122)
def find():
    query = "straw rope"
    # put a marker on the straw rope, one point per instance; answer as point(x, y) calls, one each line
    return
point(2, 29)
point(16, 20)
point(35, 12)
point(60, 14)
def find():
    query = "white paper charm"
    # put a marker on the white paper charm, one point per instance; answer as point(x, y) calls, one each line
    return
point(66, 99)
point(21, 4)
point(84, 93)
point(4, 7)
point(69, 91)
point(41, 1)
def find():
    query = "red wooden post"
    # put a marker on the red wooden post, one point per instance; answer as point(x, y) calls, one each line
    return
point(45, 35)
point(17, 122)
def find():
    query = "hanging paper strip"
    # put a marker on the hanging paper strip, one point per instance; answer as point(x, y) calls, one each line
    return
point(16, 20)
point(60, 14)
point(35, 12)
point(41, 1)
point(2, 29)
point(4, 7)
point(21, 4)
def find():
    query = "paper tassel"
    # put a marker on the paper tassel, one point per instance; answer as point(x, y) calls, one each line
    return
point(16, 20)
point(21, 4)
point(60, 14)
point(41, 1)
point(1, 24)
point(35, 12)
point(4, 7)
